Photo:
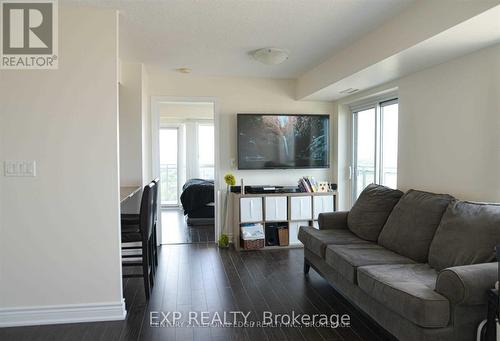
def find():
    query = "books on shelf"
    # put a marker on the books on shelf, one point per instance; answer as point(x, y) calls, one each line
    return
point(308, 184)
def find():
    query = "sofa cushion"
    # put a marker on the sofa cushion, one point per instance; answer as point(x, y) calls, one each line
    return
point(347, 258)
point(466, 235)
point(370, 211)
point(407, 289)
point(317, 240)
point(411, 226)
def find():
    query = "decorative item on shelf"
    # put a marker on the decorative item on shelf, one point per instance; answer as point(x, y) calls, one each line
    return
point(308, 184)
point(242, 187)
point(230, 180)
point(323, 186)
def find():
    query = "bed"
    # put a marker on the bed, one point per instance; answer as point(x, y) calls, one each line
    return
point(197, 200)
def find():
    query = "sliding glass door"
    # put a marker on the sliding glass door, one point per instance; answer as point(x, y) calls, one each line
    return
point(375, 145)
point(169, 166)
point(364, 150)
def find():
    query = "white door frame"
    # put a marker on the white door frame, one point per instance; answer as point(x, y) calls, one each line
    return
point(155, 144)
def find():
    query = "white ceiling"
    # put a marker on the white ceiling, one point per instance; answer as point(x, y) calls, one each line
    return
point(478, 32)
point(214, 37)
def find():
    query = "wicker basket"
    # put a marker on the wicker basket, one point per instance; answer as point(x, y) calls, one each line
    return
point(252, 244)
point(283, 236)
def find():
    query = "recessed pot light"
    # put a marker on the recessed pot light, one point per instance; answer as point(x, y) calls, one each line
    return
point(270, 55)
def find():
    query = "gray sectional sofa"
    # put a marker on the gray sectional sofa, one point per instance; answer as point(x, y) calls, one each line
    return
point(418, 263)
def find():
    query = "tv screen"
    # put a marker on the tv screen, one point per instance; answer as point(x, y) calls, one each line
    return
point(268, 141)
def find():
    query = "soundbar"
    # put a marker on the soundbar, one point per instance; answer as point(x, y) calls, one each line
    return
point(266, 189)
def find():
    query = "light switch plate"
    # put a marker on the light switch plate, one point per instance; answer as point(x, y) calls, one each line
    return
point(20, 168)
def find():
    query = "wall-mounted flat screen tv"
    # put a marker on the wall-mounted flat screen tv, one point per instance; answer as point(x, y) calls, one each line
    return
point(270, 141)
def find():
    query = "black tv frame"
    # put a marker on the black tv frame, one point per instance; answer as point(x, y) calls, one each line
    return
point(274, 114)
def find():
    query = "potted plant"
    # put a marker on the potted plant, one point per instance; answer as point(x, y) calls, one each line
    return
point(224, 241)
point(230, 180)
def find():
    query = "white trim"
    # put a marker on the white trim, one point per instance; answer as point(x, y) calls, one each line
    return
point(155, 126)
point(57, 314)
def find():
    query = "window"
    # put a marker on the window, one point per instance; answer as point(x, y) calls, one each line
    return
point(206, 147)
point(375, 144)
point(364, 170)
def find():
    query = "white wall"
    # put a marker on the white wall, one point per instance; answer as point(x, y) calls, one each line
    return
point(134, 131)
point(241, 95)
point(59, 231)
point(147, 174)
point(185, 111)
point(449, 124)
point(449, 139)
point(131, 124)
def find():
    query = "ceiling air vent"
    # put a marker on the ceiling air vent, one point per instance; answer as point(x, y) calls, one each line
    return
point(348, 91)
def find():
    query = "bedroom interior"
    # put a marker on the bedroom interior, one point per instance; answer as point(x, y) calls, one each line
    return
point(187, 171)
point(234, 170)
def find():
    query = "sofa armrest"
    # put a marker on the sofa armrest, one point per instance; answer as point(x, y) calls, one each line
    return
point(334, 220)
point(468, 284)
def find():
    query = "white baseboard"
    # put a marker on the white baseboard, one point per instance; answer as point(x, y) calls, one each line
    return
point(29, 316)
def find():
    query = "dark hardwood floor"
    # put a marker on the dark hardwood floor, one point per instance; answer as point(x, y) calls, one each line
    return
point(201, 277)
point(176, 230)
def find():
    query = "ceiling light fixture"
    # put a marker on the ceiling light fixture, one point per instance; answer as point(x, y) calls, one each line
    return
point(270, 55)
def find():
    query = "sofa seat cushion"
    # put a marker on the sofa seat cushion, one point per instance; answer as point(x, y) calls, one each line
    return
point(413, 222)
point(347, 258)
point(407, 289)
point(467, 234)
point(370, 211)
point(317, 240)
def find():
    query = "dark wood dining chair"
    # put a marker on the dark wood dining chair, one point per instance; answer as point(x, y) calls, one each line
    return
point(133, 219)
point(140, 234)
point(155, 221)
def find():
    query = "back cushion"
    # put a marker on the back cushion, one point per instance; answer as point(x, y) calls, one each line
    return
point(468, 234)
point(413, 222)
point(370, 212)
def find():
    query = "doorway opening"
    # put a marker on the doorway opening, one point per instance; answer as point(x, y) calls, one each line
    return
point(186, 157)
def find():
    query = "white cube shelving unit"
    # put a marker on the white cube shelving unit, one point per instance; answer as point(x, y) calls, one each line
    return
point(290, 209)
